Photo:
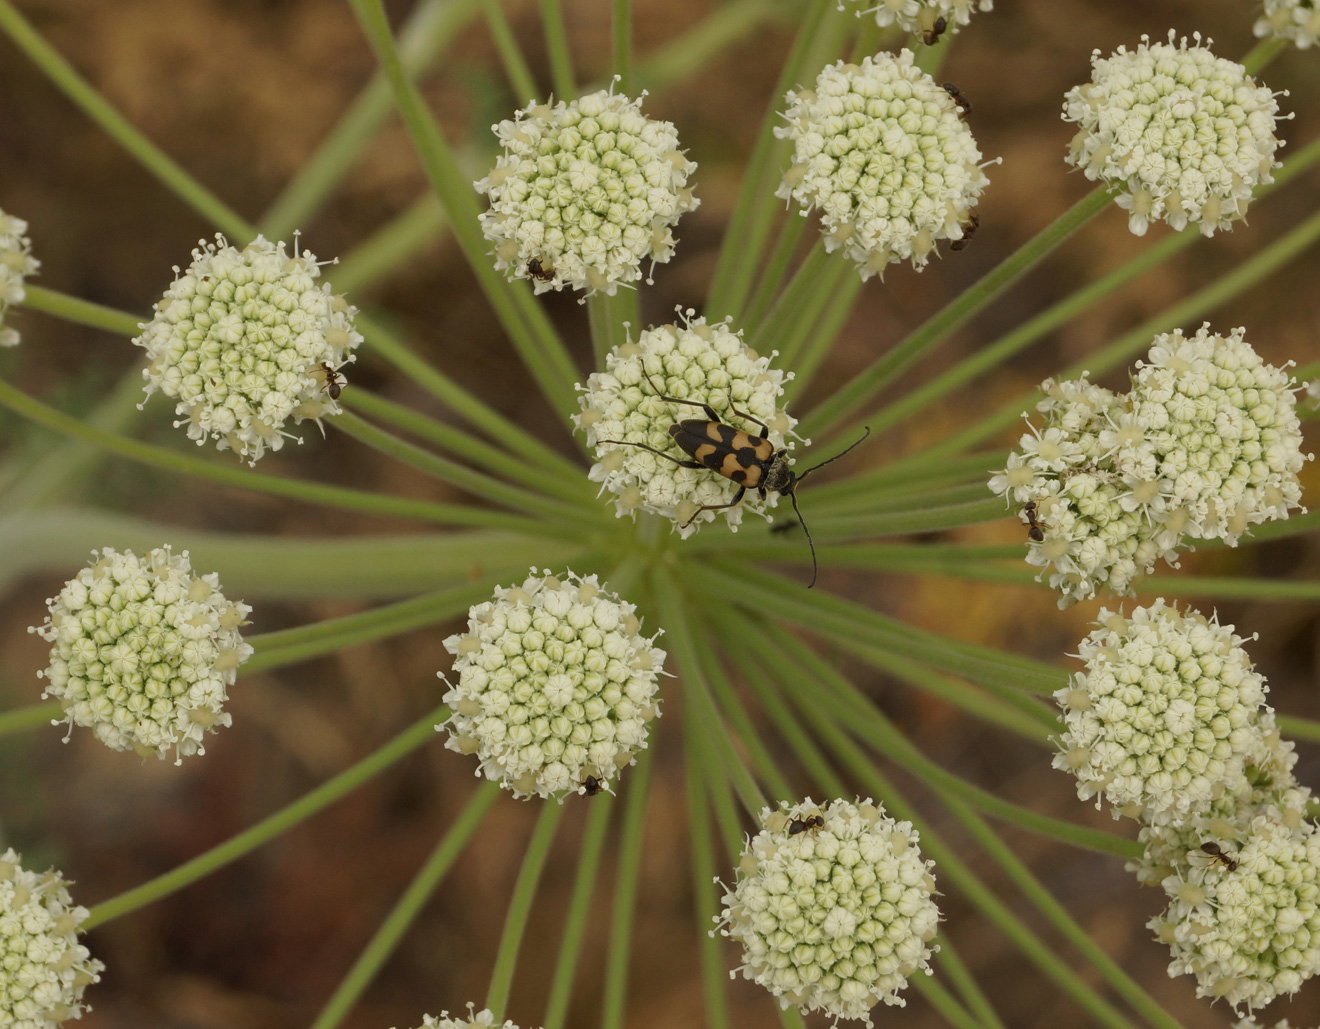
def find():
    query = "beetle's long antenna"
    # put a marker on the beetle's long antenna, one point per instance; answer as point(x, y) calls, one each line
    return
point(834, 458)
point(815, 569)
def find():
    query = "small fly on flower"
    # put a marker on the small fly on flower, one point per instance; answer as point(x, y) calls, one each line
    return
point(750, 461)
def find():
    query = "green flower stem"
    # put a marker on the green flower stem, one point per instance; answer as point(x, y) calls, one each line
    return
point(1058, 916)
point(117, 127)
point(565, 480)
point(912, 476)
point(702, 756)
point(33, 480)
point(528, 327)
point(681, 642)
point(754, 213)
point(814, 611)
point(431, 27)
point(693, 51)
point(561, 69)
point(390, 246)
point(808, 281)
point(949, 965)
point(704, 898)
point(884, 500)
point(408, 907)
point(810, 319)
point(1225, 588)
point(461, 401)
point(1245, 275)
point(476, 483)
point(627, 875)
point(771, 283)
point(610, 318)
point(29, 717)
point(281, 567)
point(288, 646)
point(854, 714)
point(817, 339)
point(1262, 54)
point(1302, 728)
point(420, 732)
point(579, 910)
point(621, 45)
point(80, 312)
point(521, 82)
point(274, 485)
point(923, 341)
point(762, 670)
point(520, 907)
point(952, 869)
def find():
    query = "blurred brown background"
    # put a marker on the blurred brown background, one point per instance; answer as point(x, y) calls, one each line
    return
point(240, 92)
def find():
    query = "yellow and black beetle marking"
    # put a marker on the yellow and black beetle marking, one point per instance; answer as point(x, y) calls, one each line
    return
point(750, 461)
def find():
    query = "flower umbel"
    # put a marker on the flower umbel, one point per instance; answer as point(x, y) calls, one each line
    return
point(928, 18)
point(1184, 134)
point(43, 968)
point(588, 190)
point(555, 685)
point(243, 340)
point(1298, 20)
point(1167, 716)
point(484, 1019)
point(16, 263)
point(1206, 444)
point(692, 361)
point(144, 651)
point(881, 150)
point(833, 915)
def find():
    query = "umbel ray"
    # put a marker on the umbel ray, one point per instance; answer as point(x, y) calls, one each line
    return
point(750, 461)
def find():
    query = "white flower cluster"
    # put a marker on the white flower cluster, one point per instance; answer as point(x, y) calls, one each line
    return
point(16, 263)
point(1298, 20)
point(484, 1019)
point(834, 907)
point(695, 362)
point(1206, 444)
point(556, 686)
point(43, 968)
point(587, 190)
point(1166, 717)
point(1184, 134)
point(928, 18)
point(144, 651)
point(245, 340)
point(882, 152)
point(1169, 722)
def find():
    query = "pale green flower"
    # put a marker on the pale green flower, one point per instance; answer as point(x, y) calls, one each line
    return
point(833, 906)
point(588, 190)
point(881, 150)
point(16, 264)
point(43, 968)
point(483, 1019)
point(1298, 20)
point(1167, 716)
point(691, 361)
point(246, 340)
point(556, 686)
point(1185, 135)
point(928, 18)
point(144, 652)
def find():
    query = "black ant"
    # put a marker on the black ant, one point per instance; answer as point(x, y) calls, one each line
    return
point(1036, 534)
point(538, 271)
point(800, 825)
point(334, 382)
point(1213, 849)
point(968, 231)
point(964, 105)
point(591, 785)
point(931, 36)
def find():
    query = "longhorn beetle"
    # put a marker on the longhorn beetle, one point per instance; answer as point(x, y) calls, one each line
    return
point(750, 461)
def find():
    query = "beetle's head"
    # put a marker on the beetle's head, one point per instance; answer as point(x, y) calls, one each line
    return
point(779, 474)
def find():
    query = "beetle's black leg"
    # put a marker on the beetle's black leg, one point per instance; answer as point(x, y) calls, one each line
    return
point(765, 429)
point(710, 411)
point(737, 499)
point(661, 453)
